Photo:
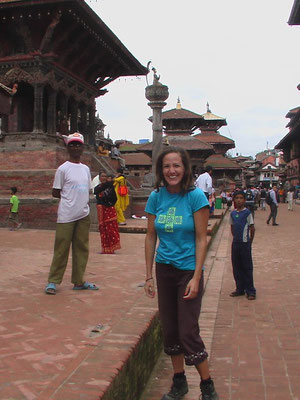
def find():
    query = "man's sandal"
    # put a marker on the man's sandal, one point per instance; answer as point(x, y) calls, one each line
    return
point(50, 288)
point(86, 286)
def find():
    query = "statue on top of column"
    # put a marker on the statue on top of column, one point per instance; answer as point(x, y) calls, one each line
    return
point(155, 77)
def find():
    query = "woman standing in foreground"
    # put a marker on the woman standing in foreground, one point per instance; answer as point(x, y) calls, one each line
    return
point(178, 214)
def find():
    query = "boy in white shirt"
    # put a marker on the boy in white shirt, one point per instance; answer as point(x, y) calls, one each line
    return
point(71, 185)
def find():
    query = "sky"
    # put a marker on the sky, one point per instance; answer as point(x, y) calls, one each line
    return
point(239, 56)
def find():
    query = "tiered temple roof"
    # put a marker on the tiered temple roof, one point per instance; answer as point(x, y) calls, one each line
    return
point(62, 55)
point(214, 138)
point(294, 128)
point(188, 143)
point(139, 159)
point(294, 18)
point(209, 132)
point(218, 161)
point(178, 126)
point(69, 36)
point(180, 121)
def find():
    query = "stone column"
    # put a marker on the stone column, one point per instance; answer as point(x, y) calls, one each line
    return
point(156, 94)
point(91, 133)
point(74, 117)
point(4, 124)
point(64, 106)
point(38, 126)
point(83, 111)
point(51, 112)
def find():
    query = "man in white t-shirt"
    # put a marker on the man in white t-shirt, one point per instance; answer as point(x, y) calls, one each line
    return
point(71, 185)
point(204, 181)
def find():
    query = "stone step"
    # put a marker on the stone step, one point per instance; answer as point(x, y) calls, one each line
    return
point(219, 213)
point(140, 226)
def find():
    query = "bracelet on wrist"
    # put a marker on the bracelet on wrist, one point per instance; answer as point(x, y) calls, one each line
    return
point(148, 279)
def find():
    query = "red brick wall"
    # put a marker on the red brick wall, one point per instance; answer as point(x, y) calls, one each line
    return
point(37, 159)
point(32, 171)
point(32, 213)
point(29, 183)
point(34, 159)
point(38, 213)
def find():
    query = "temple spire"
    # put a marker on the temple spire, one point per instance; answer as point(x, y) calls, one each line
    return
point(207, 107)
point(178, 105)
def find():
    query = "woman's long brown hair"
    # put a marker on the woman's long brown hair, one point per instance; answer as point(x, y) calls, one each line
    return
point(187, 179)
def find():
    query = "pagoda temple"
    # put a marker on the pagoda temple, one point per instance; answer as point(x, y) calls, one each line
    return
point(178, 126)
point(225, 171)
point(209, 132)
point(61, 55)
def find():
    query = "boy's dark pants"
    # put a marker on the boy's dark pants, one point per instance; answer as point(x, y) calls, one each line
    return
point(242, 265)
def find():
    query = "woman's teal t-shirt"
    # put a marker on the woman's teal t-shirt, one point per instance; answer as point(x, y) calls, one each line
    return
point(174, 224)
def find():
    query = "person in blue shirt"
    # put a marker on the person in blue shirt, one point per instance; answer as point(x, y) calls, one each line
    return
point(242, 229)
point(178, 214)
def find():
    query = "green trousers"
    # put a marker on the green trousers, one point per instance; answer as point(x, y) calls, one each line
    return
point(77, 233)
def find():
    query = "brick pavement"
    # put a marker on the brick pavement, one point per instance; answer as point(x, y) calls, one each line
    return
point(57, 347)
point(254, 346)
point(48, 349)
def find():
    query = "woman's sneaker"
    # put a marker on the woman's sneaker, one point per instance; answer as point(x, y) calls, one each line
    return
point(178, 389)
point(208, 392)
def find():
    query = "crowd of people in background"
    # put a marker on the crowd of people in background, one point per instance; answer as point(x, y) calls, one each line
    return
point(256, 197)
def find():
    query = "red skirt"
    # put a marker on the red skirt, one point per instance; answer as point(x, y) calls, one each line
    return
point(108, 228)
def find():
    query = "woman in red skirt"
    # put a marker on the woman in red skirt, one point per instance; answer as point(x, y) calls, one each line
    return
point(107, 217)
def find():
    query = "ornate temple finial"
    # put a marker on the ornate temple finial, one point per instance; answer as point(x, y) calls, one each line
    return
point(178, 105)
point(207, 107)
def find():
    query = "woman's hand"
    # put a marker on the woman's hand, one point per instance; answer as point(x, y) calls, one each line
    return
point(149, 288)
point(191, 290)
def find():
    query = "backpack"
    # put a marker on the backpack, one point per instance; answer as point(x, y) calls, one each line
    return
point(269, 200)
point(263, 194)
point(249, 195)
point(123, 190)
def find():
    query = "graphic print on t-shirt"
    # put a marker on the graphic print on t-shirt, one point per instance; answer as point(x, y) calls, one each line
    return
point(170, 219)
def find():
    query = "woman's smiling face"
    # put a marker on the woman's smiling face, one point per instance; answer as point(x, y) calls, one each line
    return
point(103, 177)
point(173, 171)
